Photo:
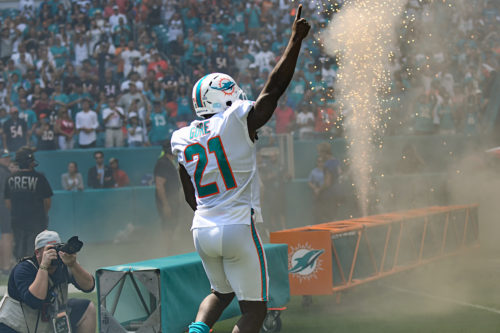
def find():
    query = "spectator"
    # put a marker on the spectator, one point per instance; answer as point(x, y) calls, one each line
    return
point(9, 37)
point(15, 131)
point(72, 180)
point(131, 97)
point(113, 117)
point(331, 191)
point(423, 114)
point(59, 52)
point(100, 175)
point(264, 59)
point(43, 105)
point(110, 85)
point(30, 298)
point(445, 111)
point(221, 62)
point(128, 56)
point(316, 182)
point(46, 138)
point(297, 90)
point(29, 116)
point(86, 125)
point(120, 177)
point(64, 129)
point(285, 117)
point(184, 112)
point(160, 127)
point(135, 131)
point(305, 121)
point(27, 196)
point(6, 238)
point(114, 19)
point(81, 50)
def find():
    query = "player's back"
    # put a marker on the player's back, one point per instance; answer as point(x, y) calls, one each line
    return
point(219, 156)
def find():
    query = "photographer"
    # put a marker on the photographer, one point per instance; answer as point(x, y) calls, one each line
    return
point(37, 298)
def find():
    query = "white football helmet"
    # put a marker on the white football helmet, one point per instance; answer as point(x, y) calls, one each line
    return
point(214, 93)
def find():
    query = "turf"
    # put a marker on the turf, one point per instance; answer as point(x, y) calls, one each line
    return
point(438, 297)
point(427, 299)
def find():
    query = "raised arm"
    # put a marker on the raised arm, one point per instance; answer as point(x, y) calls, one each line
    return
point(280, 77)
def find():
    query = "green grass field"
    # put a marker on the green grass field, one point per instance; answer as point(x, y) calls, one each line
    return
point(458, 294)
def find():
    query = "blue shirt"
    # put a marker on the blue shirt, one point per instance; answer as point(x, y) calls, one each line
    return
point(23, 275)
point(317, 177)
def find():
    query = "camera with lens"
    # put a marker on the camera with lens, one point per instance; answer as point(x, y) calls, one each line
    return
point(73, 245)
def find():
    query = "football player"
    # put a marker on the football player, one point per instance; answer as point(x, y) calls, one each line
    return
point(217, 166)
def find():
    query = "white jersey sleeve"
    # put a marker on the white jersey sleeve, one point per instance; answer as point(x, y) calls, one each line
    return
point(220, 158)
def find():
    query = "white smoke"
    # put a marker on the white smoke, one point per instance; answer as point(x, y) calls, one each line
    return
point(363, 36)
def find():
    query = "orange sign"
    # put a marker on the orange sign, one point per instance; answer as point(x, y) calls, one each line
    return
point(309, 261)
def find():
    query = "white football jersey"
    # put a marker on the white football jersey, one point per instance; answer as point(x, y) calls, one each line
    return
point(220, 158)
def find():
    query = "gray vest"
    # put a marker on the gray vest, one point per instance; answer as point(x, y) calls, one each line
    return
point(22, 318)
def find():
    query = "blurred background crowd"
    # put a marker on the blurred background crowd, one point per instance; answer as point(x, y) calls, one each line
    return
point(78, 74)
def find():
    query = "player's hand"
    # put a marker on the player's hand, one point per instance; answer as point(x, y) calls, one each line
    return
point(49, 254)
point(68, 259)
point(300, 27)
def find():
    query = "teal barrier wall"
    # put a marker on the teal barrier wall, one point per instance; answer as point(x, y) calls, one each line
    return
point(136, 162)
point(437, 152)
point(109, 211)
point(391, 193)
point(99, 215)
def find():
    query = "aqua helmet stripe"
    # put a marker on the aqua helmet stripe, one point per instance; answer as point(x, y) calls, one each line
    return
point(198, 92)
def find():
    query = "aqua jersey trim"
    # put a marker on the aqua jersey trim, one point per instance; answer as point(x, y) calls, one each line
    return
point(262, 261)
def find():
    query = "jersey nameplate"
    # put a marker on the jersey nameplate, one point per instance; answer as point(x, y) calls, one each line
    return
point(199, 130)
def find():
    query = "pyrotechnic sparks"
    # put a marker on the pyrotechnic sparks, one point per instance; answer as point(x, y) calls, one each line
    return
point(363, 36)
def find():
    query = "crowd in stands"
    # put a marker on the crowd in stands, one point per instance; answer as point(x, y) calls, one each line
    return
point(79, 74)
point(445, 68)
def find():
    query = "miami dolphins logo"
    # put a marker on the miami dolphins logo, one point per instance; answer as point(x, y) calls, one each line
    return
point(304, 261)
point(225, 85)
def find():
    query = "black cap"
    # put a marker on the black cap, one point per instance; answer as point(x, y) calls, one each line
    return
point(24, 157)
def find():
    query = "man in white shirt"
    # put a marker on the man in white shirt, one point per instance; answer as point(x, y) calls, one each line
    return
point(81, 50)
point(264, 58)
point(22, 59)
point(305, 121)
point(128, 55)
point(114, 20)
point(113, 117)
point(86, 125)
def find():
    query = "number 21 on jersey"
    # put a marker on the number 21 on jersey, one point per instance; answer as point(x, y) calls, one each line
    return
point(214, 147)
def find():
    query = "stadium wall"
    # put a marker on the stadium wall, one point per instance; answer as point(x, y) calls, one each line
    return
point(113, 210)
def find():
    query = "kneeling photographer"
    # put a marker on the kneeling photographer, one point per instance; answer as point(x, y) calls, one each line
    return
point(37, 299)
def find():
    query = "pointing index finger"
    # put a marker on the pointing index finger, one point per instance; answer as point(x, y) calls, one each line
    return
point(299, 12)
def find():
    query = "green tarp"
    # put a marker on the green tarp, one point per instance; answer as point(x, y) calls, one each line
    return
point(182, 286)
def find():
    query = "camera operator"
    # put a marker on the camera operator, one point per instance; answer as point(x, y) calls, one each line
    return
point(37, 299)
point(27, 196)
